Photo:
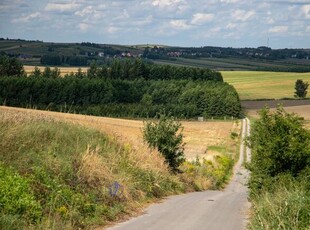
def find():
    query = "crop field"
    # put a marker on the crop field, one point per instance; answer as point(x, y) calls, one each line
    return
point(203, 139)
point(253, 85)
point(232, 63)
point(63, 70)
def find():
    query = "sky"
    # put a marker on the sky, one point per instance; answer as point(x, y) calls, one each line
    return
point(188, 23)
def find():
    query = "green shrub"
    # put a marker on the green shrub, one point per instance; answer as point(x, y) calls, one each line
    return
point(279, 144)
point(280, 172)
point(16, 197)
point(217, 172)
point(166, 136)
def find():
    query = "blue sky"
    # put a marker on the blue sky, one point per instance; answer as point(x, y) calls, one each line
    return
point(226, 23)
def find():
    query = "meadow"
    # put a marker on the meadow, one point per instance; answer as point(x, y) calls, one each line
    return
point(253, 85)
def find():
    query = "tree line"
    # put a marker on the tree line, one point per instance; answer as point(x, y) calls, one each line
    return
point(124, 88)
point(122, 98)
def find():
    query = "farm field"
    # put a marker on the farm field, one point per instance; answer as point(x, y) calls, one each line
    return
point(250, 85)
point(301, 110)
point(63, 70)
point(226, 64)
point(203, 139)
point(253, 85)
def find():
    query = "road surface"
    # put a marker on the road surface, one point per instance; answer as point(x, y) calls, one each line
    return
point(212, 210)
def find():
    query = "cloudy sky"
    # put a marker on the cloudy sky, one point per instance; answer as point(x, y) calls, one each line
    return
point(227, 23)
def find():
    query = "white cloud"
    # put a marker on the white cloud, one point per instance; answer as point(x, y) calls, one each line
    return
point(83, 27)
point(215, 30)
point(242, 15)
point(308, 29)
point(201, 18)
point(278, 29)
point(112, 29)
point(230, 1)
point(62, 7)
point(164, 3)
point(86, 11)
point(27, 18)
point(306, 10)
point(180, 24)
point(231, 26)
point(270, 21)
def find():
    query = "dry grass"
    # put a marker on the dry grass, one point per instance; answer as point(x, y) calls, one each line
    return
point(199, 136)
point(63, 70)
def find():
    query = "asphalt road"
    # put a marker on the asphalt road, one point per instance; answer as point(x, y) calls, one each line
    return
point(212, 210)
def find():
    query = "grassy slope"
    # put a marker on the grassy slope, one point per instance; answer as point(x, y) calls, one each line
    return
point(70, 169)
point(264, 85)
point(63, 173)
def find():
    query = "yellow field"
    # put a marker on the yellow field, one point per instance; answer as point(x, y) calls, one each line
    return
point(63, 70)
point(267, 85)
point(199, 136)
point(302, 110)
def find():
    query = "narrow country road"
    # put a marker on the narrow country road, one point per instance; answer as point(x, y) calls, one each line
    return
point(212, 210)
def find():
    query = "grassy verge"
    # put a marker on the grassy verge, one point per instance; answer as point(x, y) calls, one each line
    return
point(56, 175)
point(280, 172)
point(284, 206)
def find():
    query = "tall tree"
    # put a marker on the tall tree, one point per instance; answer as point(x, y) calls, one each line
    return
point(301, 88)
point(11, 67)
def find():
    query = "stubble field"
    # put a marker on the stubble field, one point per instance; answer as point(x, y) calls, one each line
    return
point(203, 139)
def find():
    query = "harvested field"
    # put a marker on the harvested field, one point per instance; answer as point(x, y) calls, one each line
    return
point(301, 110)
point(199, 136)
point(63, 70)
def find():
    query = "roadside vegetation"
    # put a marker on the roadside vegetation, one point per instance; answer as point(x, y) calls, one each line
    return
point(57, 175)
point(280, 172)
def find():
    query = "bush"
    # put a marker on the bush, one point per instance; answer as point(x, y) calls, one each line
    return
point(166, 136)
point(280, 172)
point(279, 144)
point(16, 197)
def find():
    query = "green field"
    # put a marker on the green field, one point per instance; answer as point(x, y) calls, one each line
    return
point(264, 85)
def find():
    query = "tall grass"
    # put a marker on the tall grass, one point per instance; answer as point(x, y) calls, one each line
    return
point(287, 207)
point(57, 175)
point(70, 170)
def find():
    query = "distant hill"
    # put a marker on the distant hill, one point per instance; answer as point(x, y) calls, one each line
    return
point(217, 58)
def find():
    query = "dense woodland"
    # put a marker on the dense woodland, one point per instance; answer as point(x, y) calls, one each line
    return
point(124, 89)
